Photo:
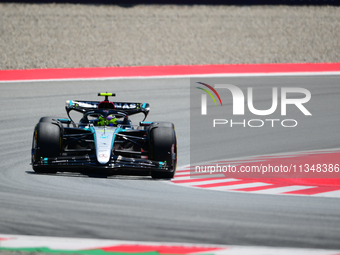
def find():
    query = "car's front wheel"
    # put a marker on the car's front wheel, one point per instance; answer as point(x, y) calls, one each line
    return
point(163, 147)
point(47, 140)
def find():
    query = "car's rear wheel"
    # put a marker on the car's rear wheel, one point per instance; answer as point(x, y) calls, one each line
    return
point(47, 141)
point(163, 147)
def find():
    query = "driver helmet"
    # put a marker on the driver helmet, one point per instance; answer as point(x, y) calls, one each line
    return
point(111, 120)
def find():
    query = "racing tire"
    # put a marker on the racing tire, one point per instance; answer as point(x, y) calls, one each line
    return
point(47, 140)
point(47, 119)
point(163, 147)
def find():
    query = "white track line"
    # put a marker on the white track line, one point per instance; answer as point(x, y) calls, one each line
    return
point(335, 193)
point(237, 186)
point(182, 173)
point(260, 250)
point(184, 76)
point(206, 182)
point(282, 189)
point(192, 177)
point(78, 244)
point(246, 185)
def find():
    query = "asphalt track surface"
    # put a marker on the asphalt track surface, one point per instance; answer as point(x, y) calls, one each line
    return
point(142, 209)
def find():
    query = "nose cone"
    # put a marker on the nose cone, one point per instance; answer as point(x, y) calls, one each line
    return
point(104, 140)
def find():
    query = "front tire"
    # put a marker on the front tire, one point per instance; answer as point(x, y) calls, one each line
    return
point(47, 141)
point(163, 147)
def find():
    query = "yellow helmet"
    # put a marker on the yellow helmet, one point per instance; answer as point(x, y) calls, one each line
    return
point(111, 120)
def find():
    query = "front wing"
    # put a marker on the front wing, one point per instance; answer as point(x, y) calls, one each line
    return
point(88, 162)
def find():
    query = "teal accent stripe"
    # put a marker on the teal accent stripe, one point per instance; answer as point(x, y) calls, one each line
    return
point(94, 136)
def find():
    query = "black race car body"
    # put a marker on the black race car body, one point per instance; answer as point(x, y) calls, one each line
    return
point(104, 141)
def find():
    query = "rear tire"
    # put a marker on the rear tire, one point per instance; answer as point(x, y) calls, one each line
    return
point(47, 141)
point(163, 147)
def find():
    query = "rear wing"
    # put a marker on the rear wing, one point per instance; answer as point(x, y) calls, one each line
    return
point(126, 107)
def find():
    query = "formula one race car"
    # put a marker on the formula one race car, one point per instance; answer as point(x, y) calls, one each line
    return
point(104, 141)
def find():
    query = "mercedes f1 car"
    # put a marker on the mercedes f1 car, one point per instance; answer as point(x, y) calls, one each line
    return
point(104, 141)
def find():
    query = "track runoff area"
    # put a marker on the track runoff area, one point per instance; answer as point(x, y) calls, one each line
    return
point(187, 175)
